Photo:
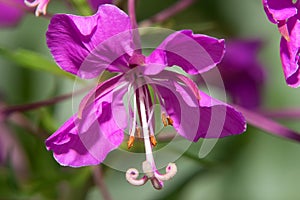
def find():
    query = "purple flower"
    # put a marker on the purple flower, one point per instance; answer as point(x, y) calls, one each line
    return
point(11, 12)
point(242, 73)
point(86, 46)
point(286, 15)
point(41, 6)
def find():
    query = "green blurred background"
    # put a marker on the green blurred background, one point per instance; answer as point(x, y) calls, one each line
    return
point(253, 166)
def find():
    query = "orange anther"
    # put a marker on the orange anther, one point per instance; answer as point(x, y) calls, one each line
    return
point(170, 120)
point(138, 132)
point(153, 140)
point(164, 119)
point(130, 142)
point(167, 120)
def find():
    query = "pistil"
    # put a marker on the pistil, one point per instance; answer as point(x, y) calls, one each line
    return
point(149, 167)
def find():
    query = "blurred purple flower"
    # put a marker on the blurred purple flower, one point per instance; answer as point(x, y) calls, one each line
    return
point(86, 46)
point(242, 73)
point(96, 3)
point(286, 15)
point(11, 12)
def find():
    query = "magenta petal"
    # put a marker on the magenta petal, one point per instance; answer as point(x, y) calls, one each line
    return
point(68, 148)
point(194, 118)
point(72, 38)
point(289, 53)
point(216, 116)
point(103, 122)
point(279, 10)
point(182, 109)
point(87, 139)
point(194, 53)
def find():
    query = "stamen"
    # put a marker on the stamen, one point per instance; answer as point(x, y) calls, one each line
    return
point(153, 140)
point(164, 119)
point(134, 115)
point(170, 120)
point(138, 132)
point(130, 142)
point(132, 132)
point(150, 113)
point(132, 175)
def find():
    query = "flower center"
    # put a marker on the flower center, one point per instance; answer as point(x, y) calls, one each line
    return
point(136, 60)
point(141, 106)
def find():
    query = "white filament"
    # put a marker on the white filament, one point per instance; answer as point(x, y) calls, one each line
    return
point(134, 116)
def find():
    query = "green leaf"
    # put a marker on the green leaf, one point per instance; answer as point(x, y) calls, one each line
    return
point(32, 60)
point(82, 7)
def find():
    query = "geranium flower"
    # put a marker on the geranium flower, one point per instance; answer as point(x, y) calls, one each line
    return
point(86, 46)
point(11, 12)
point(286, 14)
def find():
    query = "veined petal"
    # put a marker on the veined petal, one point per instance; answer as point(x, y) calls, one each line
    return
point(71, 39)
point(87, 140)
point(100, 90)
point(289, 53)
point(279, 10)
point(196, 118)
point(67, 146)
point(194, 53)
point(216, 116)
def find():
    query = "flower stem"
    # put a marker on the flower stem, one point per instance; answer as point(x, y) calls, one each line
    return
point(136, 35)
point(268, 125)
point(98, 178)
point(288, 113)
point(131, 10)
point(167, 13)
point(5, 111)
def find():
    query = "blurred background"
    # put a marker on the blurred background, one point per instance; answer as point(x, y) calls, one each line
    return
point(253, 166)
